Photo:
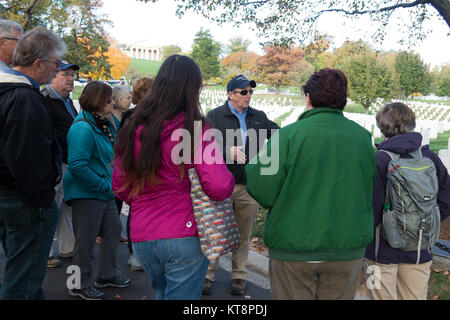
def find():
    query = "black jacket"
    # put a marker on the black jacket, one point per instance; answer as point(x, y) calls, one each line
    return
point(222, 118)
point(30, 155)
point(62, 119)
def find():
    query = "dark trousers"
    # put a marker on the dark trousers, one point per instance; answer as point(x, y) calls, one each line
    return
point(27, 235)
point(91, 218)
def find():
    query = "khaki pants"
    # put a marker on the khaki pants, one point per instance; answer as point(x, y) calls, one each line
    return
point(64, 230)
point(402, 281)
point(327, 280)
point(245, 209)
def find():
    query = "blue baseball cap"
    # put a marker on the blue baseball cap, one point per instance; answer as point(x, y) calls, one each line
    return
point(240, 82)
point(64, 65)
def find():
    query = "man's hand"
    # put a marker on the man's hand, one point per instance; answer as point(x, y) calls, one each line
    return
point(237, 154)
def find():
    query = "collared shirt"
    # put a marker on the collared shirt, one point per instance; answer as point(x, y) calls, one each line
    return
point(66, 101)
point(242, 124)
point(3, 66)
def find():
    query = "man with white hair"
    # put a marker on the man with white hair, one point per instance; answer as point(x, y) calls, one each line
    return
point(30, 164)
point(10, 33)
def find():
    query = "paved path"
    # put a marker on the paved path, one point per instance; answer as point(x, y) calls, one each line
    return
point(55, 288)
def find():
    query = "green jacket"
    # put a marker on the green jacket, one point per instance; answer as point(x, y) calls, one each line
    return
point(90, 157)
point(320, 198)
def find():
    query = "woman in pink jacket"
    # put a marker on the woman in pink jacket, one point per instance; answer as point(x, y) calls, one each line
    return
point(148, 176)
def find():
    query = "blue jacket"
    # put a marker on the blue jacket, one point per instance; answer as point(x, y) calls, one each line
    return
point(403, 144)
point(90, 156)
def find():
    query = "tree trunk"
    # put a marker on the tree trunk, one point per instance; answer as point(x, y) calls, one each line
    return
point(443, 7)
point(29, 15)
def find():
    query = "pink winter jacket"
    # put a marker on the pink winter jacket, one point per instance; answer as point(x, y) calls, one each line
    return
point(164, 211)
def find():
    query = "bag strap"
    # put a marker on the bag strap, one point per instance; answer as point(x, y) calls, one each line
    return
point(377, 241)
point(417, 154)
point(86, 120)
point(392, 155)
point(387, 205)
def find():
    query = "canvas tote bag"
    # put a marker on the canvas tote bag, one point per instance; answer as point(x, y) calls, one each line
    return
point(216, 223)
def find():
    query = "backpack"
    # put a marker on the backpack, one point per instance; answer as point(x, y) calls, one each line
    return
point(411, 216)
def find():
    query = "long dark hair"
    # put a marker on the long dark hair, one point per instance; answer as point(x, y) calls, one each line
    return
point(176, 88)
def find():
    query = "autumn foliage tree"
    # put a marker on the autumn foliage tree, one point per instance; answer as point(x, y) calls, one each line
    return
point(240, 62)
point(275, 67)
point(118, 60)
point(78, 22)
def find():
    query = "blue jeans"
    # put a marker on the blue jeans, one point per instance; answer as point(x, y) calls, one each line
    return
point(27, 235)
point(177, 268)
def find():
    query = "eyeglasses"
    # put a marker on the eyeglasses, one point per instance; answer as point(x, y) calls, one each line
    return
point(8, 38)
point(56, 62)
point(68, 74)
point(244, 92)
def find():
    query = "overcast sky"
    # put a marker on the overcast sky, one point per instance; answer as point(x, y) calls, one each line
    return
point(156, 22)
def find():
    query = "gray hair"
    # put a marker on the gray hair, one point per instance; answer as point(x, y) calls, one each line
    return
point(118, 92)
point(7, 26)
point(38, 43)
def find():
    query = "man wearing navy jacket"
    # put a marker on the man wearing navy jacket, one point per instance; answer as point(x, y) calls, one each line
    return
point(237, 115)
point(30, 165)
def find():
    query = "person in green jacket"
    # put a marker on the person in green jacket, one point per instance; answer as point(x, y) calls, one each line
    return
point(320, 216)
point(87, 188)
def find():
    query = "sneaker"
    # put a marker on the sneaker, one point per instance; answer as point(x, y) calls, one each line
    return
point(206, 287)
point(89, 293)
point(117, 281)
point(66, 255)
point(134, 264)
point(52, 262)
point(237, 287)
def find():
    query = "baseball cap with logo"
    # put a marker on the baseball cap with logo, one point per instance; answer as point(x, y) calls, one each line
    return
point(64, 65)
point(240, 82)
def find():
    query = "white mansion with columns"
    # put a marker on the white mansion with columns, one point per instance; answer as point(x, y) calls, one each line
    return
point(144, 50)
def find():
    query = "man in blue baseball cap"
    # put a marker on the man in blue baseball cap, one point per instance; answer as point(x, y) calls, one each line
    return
point(236, 114)
point(62, 110)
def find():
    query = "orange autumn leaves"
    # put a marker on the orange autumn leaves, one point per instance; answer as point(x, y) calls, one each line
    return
point(117, 59)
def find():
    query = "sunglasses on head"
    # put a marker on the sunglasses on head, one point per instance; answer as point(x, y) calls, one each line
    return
point(244, 92)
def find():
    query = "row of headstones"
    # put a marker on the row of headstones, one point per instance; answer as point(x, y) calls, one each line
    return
point(293, 116)
point(428, 128)
point(422, 110)
point(427, 131)
point(445, 156)
point(211, 98)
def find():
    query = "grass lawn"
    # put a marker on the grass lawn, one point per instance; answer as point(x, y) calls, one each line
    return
point(439, 286)
point(146, 66)
point(441, 142)
point(76, 92)
point(445, 102)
